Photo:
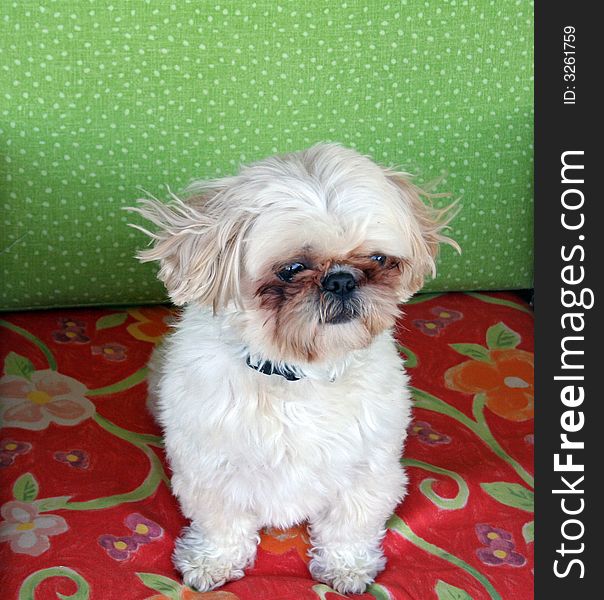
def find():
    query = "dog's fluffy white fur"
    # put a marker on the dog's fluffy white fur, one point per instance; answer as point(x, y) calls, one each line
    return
point(300, 262)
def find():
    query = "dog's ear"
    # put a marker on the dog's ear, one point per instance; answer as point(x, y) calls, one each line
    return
point(423, 225)
point(199, 244)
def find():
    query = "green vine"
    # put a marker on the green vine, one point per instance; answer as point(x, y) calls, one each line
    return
point(500, 301)
point(141, 441)
point(125, 384)
point(460, 499)
point(423, 298)
point(52, 363)
point(399, 526)
point(479, 426)
point(155, 476)
point(144, 490)
point(29, 585)
point(138, 439)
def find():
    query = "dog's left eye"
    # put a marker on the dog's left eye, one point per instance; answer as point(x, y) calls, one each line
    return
point(379, 258)
point(287, 273)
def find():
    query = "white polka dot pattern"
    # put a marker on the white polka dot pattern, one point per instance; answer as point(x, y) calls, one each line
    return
point(97, 98)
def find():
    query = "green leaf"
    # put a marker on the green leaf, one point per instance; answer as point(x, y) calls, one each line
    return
point(422, 298)
point(511, 494)
point(159, 583)
point(48, 504)
point(475, 351)
point(501, 337)
point(379, 592)
point(25, 488)
point(111, 320)
point(446, 591)
point(528, 532)
point(14, 364)
point(408, 355)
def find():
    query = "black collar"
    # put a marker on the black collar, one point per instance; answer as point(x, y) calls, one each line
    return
point(268, 368)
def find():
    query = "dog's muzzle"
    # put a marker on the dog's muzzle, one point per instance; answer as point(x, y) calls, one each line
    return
point(338, 291)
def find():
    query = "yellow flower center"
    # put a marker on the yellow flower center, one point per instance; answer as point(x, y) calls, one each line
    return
point(72, 457)
point(39, 397)
point(433, 436)
point(109, 351)
point(444, 315)
point(10, 446)
point(25, 526)
point(417, 429)
point(120, 545)
point(492, 535)
point(500, 553)
point(142, 529)
point(70, 334)
point(430, 325)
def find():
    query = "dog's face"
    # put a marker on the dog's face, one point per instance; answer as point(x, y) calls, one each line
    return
point(313, 250)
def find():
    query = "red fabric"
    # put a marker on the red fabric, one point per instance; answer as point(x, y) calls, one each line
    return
point(86, 506)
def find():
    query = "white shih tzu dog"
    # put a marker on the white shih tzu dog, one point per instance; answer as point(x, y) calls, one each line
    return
point(280, 391)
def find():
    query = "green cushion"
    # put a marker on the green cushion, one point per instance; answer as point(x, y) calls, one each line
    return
point(98, 98)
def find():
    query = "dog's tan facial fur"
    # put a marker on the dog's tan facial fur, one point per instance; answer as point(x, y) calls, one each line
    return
point(325, 207)
point(299, 309)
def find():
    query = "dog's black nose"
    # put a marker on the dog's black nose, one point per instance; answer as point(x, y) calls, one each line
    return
point(341, 283)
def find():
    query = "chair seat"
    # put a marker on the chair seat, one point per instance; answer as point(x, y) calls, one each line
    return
point(85, 499)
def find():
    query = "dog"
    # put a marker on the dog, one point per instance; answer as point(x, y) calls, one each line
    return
point(280, 391)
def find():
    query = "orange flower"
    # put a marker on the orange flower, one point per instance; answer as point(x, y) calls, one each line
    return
point(280, 541)
point(152, 323)
point(506, 380)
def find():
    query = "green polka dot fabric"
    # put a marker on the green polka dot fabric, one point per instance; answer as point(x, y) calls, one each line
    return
point(99, 99)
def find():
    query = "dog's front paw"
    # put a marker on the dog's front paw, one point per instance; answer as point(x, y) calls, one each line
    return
point(347, 570)
point(204, 566)
point(204, 574)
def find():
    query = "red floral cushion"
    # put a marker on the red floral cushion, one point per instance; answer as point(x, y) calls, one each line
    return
point(86, 509)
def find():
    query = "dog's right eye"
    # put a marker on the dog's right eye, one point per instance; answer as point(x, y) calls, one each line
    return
point(287, 273)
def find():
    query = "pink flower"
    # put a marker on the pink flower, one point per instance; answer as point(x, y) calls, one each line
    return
point(112, 351)
point(499, 547)
point(27, 530)
point(427, 435)
point(73, 458)
point(119, 548)
point(446, 315)
point(48, 397)
point(144, 530)
point(10, 449)
point(70, 336)
point(430, 327)
point(488, 535)
point(71, 324)
point(72, 331)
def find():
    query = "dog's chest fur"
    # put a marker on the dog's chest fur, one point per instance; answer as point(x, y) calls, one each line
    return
point(277, 448)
